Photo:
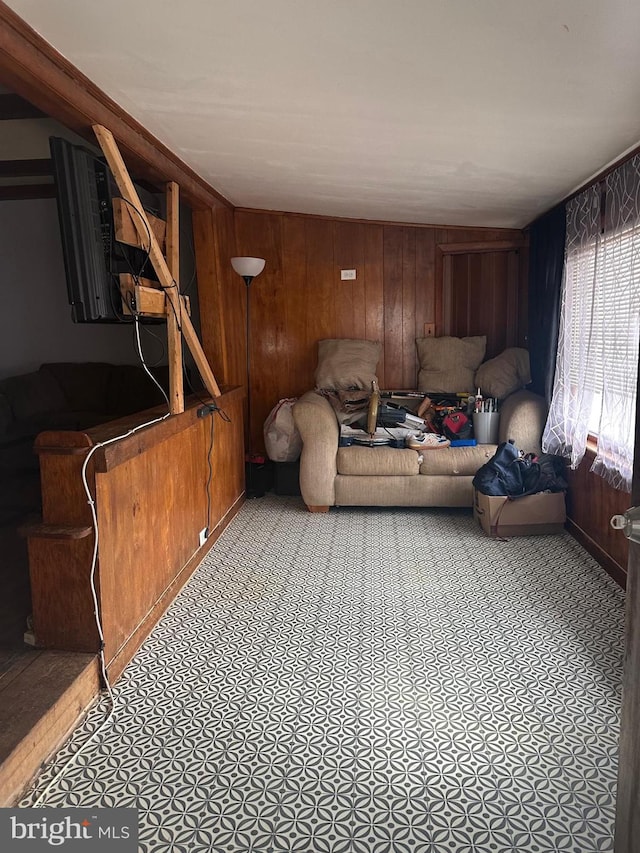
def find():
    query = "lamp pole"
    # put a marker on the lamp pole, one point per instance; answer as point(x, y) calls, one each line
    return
point(248, 269)
point(247, 280)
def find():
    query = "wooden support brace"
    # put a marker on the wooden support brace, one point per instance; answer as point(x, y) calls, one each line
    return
point(126, 187)
point(149, 299)
point(174, 321)
point(126, 231)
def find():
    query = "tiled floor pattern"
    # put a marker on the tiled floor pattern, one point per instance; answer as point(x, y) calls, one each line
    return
point(367, 681)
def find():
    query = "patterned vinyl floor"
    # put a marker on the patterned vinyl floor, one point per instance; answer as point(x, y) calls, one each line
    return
point(367, 681)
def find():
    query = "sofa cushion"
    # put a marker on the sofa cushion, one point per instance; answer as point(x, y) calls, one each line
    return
point(457, 461)
point(508, 372)
point(449, 364)
point(33, 394)
point(346, 363)
point(377, 461)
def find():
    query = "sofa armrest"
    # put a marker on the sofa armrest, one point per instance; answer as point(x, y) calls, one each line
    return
point(522, 419)
point(318, 427)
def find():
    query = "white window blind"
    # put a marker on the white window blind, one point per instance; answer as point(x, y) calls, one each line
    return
point(597, 362)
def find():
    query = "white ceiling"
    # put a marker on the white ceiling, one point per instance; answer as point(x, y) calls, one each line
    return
point(459, 112)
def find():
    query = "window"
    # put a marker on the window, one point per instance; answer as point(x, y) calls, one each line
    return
point(596, 367)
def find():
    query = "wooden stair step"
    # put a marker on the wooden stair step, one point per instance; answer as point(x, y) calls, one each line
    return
point(42, 698)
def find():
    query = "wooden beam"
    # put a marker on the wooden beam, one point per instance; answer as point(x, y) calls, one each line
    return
point(25, 168)
point(20, 192)
point(128, 191)
point(174, 320)
point(13, 107)
point(34, 69)
point(126, 231)
point(148, 297)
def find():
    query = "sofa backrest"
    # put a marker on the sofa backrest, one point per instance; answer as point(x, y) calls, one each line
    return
point(28, 396)
point(99, 388)
point(84, 384)
point(130, 389)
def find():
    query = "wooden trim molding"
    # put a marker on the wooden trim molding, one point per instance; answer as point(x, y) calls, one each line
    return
point(598, 553)
point(480, 246)
point(20, 192)
point(449, 228)
point(36, 71)
point(25, 168)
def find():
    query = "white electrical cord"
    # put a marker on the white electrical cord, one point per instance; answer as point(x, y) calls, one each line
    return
point(136, 320)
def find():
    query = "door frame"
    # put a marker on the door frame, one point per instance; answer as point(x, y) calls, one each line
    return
point(627, 831)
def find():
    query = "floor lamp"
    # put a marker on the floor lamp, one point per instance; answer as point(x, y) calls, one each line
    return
point(248, 269)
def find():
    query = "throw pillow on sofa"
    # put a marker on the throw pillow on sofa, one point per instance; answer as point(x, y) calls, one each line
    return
point(503, 375)
point(448, 364)
point(346, 363)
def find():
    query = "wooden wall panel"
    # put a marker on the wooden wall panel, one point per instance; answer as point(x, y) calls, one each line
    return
point(392, 307)
point(374, 287)
point(348, 253)
point(425, 311)
point(151, 503)
point(409, 354)
point(300, 299)
point(590, 504)
point(481, 296)
point(296, 303)
point(221, 295)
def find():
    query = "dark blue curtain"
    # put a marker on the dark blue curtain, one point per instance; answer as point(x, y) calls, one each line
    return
point(546, 260)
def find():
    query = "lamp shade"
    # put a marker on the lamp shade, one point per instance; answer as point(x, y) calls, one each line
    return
point(248, 267)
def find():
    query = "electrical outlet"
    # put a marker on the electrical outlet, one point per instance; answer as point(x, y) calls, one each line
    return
point(429, 330)
point(203, 536)
point(347, 275)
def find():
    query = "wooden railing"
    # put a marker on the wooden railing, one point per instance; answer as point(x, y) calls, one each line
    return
point(151, 502)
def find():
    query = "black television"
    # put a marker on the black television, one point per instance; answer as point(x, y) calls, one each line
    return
point(93, 258)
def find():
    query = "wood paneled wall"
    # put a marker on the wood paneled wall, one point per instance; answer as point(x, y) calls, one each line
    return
point(481, 297)
point(299, 298)
point(591, 502)
point(220, 294)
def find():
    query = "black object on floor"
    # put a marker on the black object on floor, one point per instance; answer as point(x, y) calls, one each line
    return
point(258, 476)
point(287, 478)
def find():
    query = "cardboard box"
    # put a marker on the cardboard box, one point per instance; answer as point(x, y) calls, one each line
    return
point(540, 514)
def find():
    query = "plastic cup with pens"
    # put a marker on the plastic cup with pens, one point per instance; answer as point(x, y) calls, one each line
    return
point(486, 420)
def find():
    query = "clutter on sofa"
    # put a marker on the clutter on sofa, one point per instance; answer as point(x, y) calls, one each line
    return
point(331, 474)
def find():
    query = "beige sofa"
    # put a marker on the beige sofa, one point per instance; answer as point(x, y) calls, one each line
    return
point(383, 476)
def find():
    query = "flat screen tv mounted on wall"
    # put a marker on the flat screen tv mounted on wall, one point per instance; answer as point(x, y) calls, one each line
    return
point(93, 258)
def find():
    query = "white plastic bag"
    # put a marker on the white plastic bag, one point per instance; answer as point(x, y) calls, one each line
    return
point(281, 437)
